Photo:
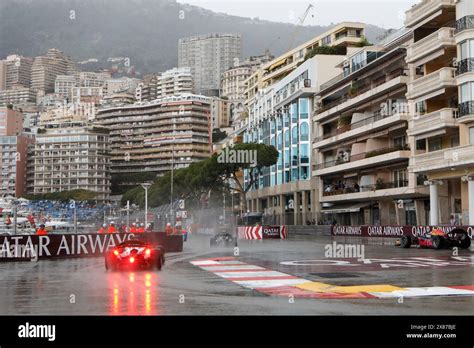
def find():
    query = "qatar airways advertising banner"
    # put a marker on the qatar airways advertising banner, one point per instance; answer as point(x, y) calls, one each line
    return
point(393, 231)
point(33, 247)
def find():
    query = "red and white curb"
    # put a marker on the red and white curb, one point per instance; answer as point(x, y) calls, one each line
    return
point(277, 283)
point(246, 275)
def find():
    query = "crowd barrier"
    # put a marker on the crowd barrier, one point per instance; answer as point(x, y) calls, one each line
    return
point(26, 247)
point(262, 232)
point(393, 231)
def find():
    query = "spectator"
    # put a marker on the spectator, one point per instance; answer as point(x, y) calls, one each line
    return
point(356, 187)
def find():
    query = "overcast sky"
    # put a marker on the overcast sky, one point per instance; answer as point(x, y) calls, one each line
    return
point(384, 13)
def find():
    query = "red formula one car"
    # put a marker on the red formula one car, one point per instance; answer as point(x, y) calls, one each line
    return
point(438, 239)
point(134, 254)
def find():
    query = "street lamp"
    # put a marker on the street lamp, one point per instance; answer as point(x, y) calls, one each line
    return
point(146, 185)
point(172, 172)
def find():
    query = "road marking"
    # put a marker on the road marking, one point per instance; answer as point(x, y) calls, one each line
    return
point(246, 274)
point(277, 283)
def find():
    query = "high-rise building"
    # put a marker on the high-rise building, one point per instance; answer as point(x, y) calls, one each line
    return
point(15, 72)
point(278, 110)
point(70, 156)
point(441, 135)
point(175, 82)
point(153, 136)
point(13, 153)
point(281, 116)
point(17, 96)
point(209, 56)
point(46, 68)
point(360, 144)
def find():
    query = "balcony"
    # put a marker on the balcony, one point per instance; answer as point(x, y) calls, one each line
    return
point(369, 124)
point(465, 66)
point(434, 121)
point(446, 159)
point(384, 189)
point(362, 96)
point(440, 39)
point(466, 112)
point(425, 9)
point(464, 23)
point(363, 160)
point(430, 83)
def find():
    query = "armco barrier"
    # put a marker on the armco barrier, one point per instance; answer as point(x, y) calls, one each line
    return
point(21, 247)
point(393, 231)
point(262, 232)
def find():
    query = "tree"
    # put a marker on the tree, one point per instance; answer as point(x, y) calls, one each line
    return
point(217, 174)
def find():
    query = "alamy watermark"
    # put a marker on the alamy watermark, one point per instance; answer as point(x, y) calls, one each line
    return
point(238, 156)
point(344, 251)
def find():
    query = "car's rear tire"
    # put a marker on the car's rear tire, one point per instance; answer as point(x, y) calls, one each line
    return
point(405, 242)
point(159, 263)
point(464, 241)
point(437, 242)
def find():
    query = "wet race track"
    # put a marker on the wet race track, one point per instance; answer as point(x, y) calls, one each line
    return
point(268, 277)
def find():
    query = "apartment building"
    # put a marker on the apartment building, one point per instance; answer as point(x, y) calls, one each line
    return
point(347, 34)
point(441, 134)
point(15, 72)
point(361, 148)
point(68, 112)
point(147, 89)
point(70, 156)
point(208, 56)
point(219, 113)
point(63, 85)
point(87, 94)
point(17, 96)
point(174, 82)
point(13, 153)
point(121, 85)
point(154, 136)
point(281, 116)
point(45, 69)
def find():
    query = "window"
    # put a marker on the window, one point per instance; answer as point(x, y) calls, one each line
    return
point(304, 153)
point(304, 109)
point(471, 135)
point(287, 138)
point(295, 135)
point(421, 145)
point(304, 173)
point(399, 141)
point(304, 132)
point(454, 140)
point(467, 49)
point(400, 178)
point(434, 144)
point(467, 92)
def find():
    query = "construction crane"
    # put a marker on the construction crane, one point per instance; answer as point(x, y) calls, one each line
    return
point(298, 25)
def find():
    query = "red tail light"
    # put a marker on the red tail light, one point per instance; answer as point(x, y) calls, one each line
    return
point(147, 252)
point(116, 253)
point(132, 259)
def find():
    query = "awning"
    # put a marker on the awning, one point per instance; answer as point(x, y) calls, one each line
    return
point(277, 64)
point(430, 134)
point(354, 208)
